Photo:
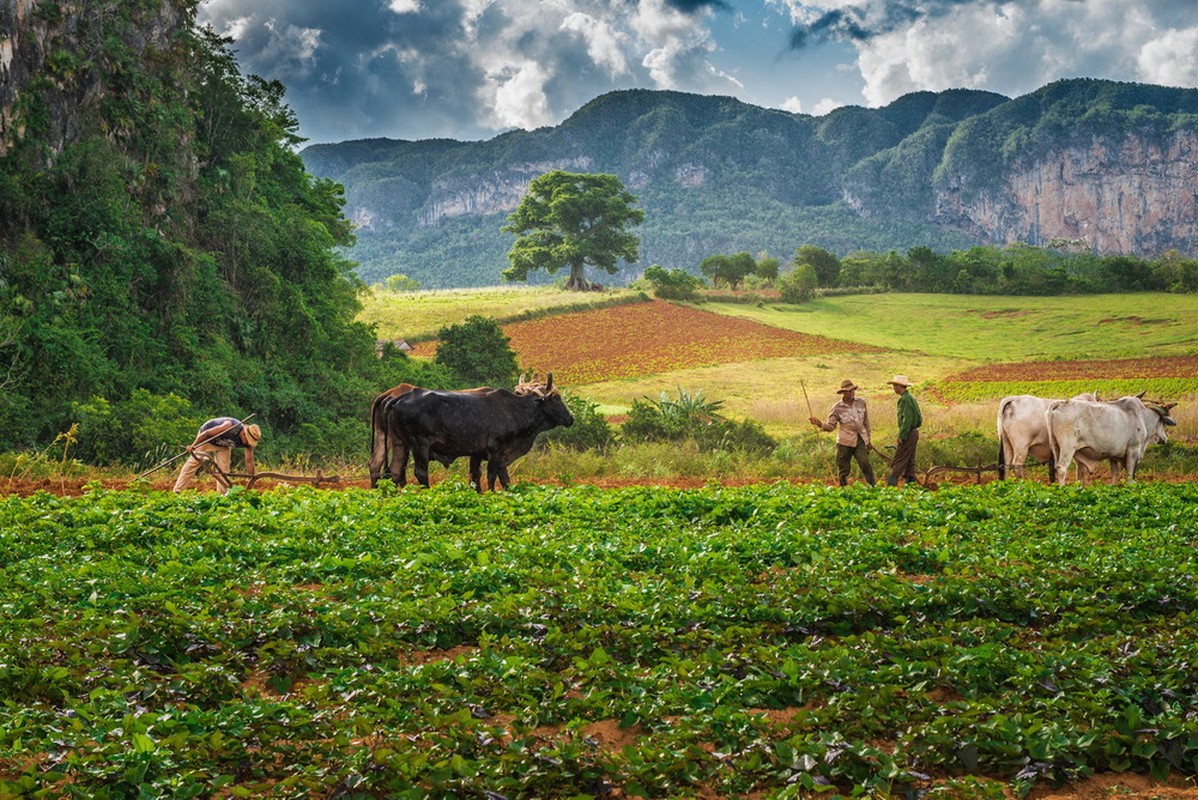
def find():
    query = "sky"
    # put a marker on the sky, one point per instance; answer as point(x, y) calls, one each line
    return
point(471, 69)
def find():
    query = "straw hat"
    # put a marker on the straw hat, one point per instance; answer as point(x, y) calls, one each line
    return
point(900, 380)
point(252, 434)
point(847, 386)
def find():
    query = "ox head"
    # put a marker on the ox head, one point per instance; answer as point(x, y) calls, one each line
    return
point(548, 398)
point(1162, 410)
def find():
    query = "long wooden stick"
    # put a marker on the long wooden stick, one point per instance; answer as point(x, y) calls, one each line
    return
point(805, 397)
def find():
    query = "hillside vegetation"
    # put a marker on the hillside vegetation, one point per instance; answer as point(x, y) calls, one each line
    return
point(164, 257)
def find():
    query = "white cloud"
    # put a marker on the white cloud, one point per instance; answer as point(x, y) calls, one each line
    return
point(291, 47)
point(605, 45)
point(1008, 46)
point(824, 106)
point(404, 6)
point(517, 97)
point(792, 104)
point(1170, 59)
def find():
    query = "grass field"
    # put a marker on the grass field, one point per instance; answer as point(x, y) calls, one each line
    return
point(416, 316)
point(997, 328)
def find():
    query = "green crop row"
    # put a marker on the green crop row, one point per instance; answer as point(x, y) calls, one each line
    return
point(1168, 389)
point(546, 642)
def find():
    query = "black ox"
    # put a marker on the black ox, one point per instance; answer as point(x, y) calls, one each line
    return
point(495, 425)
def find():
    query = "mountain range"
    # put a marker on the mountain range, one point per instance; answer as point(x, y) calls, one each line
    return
point(1108, 166)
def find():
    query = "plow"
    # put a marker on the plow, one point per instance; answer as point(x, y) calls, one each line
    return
point(227, 478)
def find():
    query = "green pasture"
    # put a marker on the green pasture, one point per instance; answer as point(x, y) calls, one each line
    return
point(416, 316)
point(764, 641)
point(988, 329)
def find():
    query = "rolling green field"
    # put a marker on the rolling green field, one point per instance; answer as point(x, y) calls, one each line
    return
point(770, 641)
point(417, 316)
point(982, 328)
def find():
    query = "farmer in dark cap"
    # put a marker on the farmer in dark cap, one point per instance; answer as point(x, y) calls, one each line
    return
point(852, 441)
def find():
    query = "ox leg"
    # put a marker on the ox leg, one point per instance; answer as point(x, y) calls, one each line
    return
point(1018, 460)
point(476, 472)
point(1063, 468)
point(378, 455)
point(399, 463)
point(497, 469)
point(1052, 467)
point(420, 465)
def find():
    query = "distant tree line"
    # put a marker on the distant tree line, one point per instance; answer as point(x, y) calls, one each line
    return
point(1016, 269)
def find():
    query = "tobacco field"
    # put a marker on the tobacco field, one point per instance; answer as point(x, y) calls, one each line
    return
point(764, 641)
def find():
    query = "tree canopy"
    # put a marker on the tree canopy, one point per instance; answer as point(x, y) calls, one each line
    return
point(573, 220)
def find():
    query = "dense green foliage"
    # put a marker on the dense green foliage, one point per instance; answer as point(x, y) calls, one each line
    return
point(174, 245)
point(477, 353)
point(715, 175)
point(574, 221)
point(672, 284)
point(764, 641)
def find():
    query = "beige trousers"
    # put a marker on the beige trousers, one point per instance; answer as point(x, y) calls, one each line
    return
point(223, 457)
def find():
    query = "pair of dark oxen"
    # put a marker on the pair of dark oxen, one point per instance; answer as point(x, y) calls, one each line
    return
point(485, 424)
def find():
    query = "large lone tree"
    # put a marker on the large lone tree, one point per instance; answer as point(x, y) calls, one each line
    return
point(573, 220)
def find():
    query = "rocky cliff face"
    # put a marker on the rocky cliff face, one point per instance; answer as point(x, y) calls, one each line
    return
point(1130, 194)
point(54, 50)
point(484, 195)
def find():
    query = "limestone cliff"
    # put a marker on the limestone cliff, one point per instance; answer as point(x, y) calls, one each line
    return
point(57, 60)
point(1129, 193)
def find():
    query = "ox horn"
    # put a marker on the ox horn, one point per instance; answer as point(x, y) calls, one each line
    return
point(1169, 406)
point(1141, 394)
point(549, 382)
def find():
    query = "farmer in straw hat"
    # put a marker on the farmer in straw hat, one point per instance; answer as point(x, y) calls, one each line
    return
point(909, 420)
point(852, 441)
point(216, 439)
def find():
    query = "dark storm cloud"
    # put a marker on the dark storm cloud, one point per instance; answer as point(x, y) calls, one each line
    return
point(864, 22)
point(692, 6)
point(366, 73)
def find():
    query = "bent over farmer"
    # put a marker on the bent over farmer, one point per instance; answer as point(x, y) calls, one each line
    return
point(909, 420)
point(852, 441)
point(216, 439)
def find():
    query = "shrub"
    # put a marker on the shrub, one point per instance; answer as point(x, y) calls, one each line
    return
point(692, 417)
point(674, 284)
point(590, 430)
point(798, 285)
point(136, 431)
point(477, 352)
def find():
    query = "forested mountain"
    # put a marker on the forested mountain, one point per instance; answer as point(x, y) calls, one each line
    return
point(1109, 163)
point(164, 256)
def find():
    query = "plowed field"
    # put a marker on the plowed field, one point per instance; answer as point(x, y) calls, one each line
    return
point(649, 338)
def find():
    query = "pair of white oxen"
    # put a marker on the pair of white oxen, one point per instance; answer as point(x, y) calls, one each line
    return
point(1084, 429)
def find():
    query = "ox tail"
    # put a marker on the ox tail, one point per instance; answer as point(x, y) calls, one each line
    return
point(1054, 446)
point(378, 436)
point(1002, 441)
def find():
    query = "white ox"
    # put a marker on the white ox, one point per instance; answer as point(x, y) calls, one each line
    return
point(1118, 430)
point(1023, 432)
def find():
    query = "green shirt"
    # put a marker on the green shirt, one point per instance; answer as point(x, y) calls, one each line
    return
point(909, 417)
